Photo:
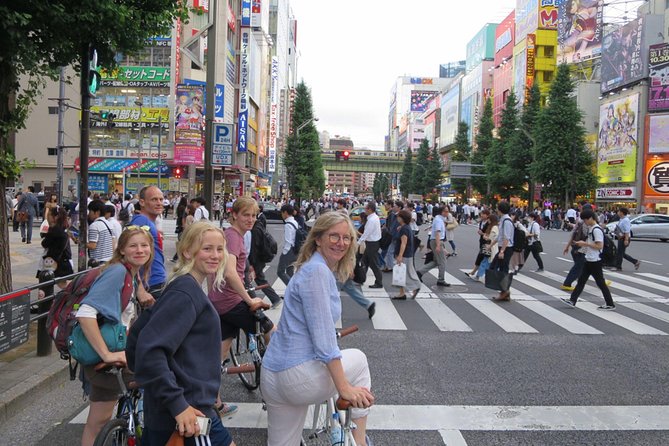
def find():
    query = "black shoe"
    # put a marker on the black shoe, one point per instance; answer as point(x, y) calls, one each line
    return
point(371, 310)
point(399, 297)
point(23, 240)
point(376, 285)
point(28, 242)
point(443, 283)
point(420, 276)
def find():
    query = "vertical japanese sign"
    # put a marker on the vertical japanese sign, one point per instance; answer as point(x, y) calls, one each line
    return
point(242, 120)
point(219, 103)
point(658, 66)
point(529, 69)
point(189, 123)
point(246, 13)
point(273, 114)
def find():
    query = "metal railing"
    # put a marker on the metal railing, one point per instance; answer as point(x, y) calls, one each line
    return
point(46, 285)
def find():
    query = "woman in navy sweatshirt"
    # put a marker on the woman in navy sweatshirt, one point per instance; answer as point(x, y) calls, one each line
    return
point(177, 357)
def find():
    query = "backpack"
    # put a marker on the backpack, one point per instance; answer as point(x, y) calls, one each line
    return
point(519, 239)
point(124, 214)
point(300, 237)
point(264, 245)
point(608, 251)
point(62, 314)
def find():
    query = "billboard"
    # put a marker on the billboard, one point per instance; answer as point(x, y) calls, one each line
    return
point(622, 63)
point(617, 144)
point(658, 74)
point(579, 30)
point(656, 181)
point(519, 74)
point(504, 39)
point(657, 130)
point(420, 99)
point(450, 102)
point(135, 77)
point(481, 47)
point(189, 125)
point(527, 18)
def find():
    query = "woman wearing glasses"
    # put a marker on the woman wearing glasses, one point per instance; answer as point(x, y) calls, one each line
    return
point(303, 364)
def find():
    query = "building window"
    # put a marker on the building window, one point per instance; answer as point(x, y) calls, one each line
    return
point(52, 151)
point(549, 51)
point(53, 110)
point(548, 76)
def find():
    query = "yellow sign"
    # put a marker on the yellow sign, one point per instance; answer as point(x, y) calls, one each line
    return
point(132, 114)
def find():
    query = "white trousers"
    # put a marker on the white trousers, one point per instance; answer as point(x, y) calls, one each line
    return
point(289, 393)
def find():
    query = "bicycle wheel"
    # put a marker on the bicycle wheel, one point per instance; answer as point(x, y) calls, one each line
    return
point(239, 353)
point(114, 433)
point(318, 433)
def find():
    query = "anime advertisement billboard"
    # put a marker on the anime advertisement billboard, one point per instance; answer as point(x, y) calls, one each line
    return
point(579, 30)
point(527, 18)
point(420, 99)
point(657, 130)
point(189, 125)
point(617, 144)
point(622, 63)
point(658, 74)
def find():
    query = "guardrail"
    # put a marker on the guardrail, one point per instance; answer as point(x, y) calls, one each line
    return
point(46, 285)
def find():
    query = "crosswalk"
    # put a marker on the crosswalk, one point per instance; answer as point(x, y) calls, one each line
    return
point(642, 301)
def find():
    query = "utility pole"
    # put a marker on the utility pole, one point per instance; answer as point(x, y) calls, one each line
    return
point(61, 135)
point(83, 154)
point(160, 159)
point(208, 190)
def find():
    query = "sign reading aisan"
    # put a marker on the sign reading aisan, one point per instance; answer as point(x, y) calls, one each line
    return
point(242, 120)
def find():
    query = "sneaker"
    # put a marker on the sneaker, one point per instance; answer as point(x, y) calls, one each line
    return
point(371, 310)
point(420, 276)
point(225, 410)
point(540, 270)
point(637, 265)
point(568, 302)
point(566, 288)
point(376, 285)
point(607, 307)
point(443, 283)
point(277, 305)
point(608, 282)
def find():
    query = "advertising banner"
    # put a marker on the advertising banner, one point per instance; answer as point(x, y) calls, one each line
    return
point(658, 74)
point(617, 145)
point(548, 14)
point(527, 18)
point(256, 13)
point(529, 68)
point(657, 129)
point(242, 120)
point(656, 181)
point(246, 13)
point(520, 74)
point(579, 30)
point(136, 77)
point(132, 114)
point(97, 183)
point(273, 114)
point(420, 99)
point(450, 103)
point(189, 125)
point(615, 193)
point(621, 55)
point(504, 39)
point(481, 47)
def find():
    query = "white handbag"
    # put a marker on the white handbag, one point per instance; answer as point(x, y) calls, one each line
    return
point(400, 275)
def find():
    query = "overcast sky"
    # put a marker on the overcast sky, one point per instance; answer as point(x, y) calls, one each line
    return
point(351, 52)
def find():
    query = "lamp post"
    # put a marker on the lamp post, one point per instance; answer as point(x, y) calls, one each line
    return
point(139, 150)
point(304, 124)
point(530, 181)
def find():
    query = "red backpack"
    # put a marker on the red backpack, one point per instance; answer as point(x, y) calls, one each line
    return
point(62, 314)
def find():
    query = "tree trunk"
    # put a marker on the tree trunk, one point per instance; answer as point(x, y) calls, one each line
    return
point(7, 81)
point(5, 261)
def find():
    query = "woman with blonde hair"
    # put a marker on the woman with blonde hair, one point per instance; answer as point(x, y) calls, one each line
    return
point(112, 298)
point(303, 364)
point(178, 348)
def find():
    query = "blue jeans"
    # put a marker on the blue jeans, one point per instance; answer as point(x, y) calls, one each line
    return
point(483, 267)
point(354, 290)
point(29, 225)
point(576, 269)
point(285, 269)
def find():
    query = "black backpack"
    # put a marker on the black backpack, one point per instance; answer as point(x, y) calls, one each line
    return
point(124, 214)
point(608, 252)
point(264, 246)
point(519, 239)
point(300, 237)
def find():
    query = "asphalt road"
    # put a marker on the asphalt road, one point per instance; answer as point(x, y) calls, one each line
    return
point(454, 368)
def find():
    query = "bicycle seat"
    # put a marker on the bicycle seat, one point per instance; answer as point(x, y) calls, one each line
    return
point(342, 404)
point(107, 366)
point(259, 306)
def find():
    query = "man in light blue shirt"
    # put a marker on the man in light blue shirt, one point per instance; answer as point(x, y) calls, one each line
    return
point(437, 238)
point(624, 232)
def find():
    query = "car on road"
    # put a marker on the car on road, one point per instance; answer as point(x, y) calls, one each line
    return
point(647, 226)
point(356, 211)
point(272, 212)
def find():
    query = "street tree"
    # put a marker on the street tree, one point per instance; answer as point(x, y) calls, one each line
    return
point(406, 179)
point(522, 154)
point(38, 37)
point(303, 161)
point(484, 141)
point(563, 162)
point(380, 186)
point(499, 171)
point(421, 180)
point(461, 152)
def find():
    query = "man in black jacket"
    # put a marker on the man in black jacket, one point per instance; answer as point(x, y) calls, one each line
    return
point(257, 239)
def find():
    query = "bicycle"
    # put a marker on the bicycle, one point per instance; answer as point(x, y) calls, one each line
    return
point(125, 429)
point(250, 347)
point(332, 424)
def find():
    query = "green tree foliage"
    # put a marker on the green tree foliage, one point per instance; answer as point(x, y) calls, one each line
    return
point(501, 175)
point(461, 152)
point(304, 164)
point(406, 179)
point(38, 37)
point(563, 162)
point(522, 153)
point(435, 169)
point(484, 141)
point(421, 179)
point(380, 186)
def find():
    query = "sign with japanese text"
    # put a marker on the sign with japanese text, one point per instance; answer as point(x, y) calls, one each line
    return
point(608, 193)
point(273, 114)
point(97, 183)
point(136, 77)
point(579, 30)
point(529, 68)
point(222, 142)
point(14, 319)
point(548, 14)
point(658, 73)
point(622, 62)
point(134, 114)
point(219, 103)
point(242, 120)
point(656, 181)
point(246, 13)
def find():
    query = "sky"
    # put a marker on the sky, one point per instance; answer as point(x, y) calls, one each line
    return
point(352, 51)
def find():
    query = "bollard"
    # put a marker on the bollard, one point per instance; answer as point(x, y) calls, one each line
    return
point(43, 339)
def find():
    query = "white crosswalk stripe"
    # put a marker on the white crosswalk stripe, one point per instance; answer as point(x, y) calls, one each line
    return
point(443, 317)
point(654, 276)
point(507, 321)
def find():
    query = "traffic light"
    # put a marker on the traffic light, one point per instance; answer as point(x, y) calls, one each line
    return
point(345, 155)
point(93, 74)
point(177, 172)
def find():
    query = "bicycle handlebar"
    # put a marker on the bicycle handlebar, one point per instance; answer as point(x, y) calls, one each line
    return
point(244, 368)
point(106, 366)
point(259, 287)
point(347, 331)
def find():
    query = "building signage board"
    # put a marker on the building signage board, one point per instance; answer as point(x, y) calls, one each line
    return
point(222, 142)
point(189, 122)
point(14, 319)
point(244, 77)
point(246, 13)
point(658, 133)
point(579, 30)
point(622, 62)
point(615, 193)
point(219, 103)
point(136, 77)
point(527, 18)
point(658, 73)
point(617, 145)
point(273, 115)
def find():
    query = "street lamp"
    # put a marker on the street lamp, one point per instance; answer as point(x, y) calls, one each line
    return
point(304, 124)
point(530, 182)
point(140, 104)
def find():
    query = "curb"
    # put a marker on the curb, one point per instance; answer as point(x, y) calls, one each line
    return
point(37, 383)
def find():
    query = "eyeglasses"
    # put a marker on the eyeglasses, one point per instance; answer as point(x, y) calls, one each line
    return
point(334, 238)
point(136, 228)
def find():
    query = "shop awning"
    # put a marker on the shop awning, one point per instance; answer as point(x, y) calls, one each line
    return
point(116, 165)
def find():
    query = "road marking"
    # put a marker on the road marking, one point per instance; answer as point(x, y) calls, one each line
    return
point(505, 320)
point(654, 276)
point(633, 279)
point(634, 291)
point(620, 320)
point(386, 316)
point(565, 260)
point(483, 418)
point(648, 310)
point(452, 437)
point(449, 278)
point(588, 288)
point(554, 315)
point(442, 316)
point(648, 261)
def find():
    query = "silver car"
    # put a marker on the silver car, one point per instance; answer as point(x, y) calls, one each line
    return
point(647, 226)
